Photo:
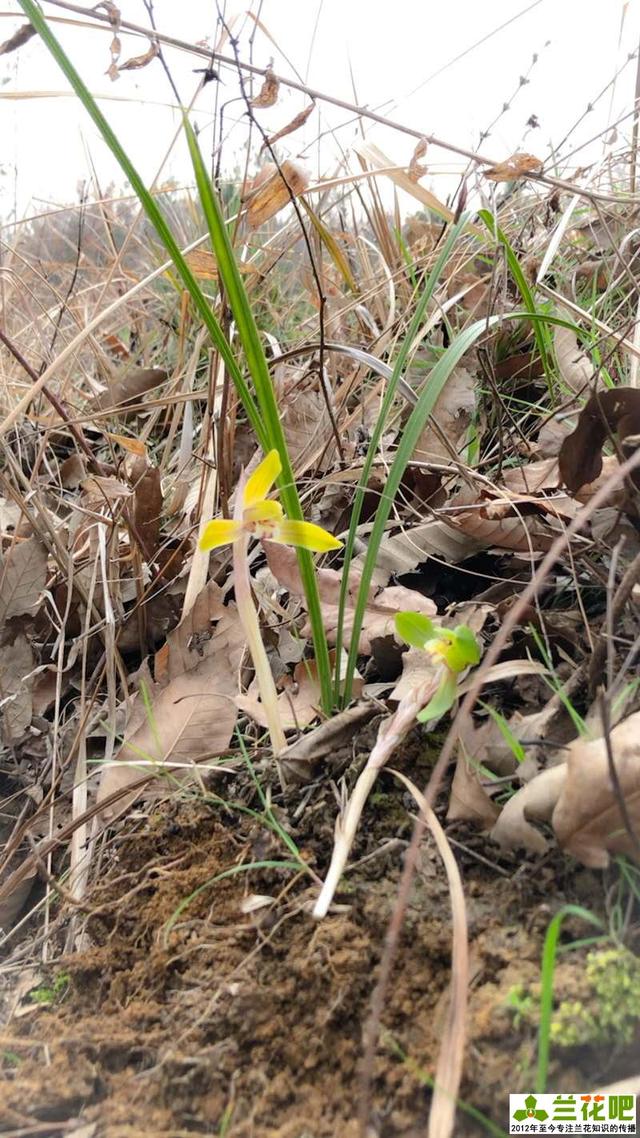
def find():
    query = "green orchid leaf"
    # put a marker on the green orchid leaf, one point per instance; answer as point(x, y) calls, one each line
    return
point(415, 629)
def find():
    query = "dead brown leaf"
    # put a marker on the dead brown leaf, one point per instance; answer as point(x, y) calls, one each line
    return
point(403, 552)
point(193, 711)
point(305, 420)
point(146, 509)
point(298, 703)
point(128, 389)
point(606, 413)
point(23, 576)
point(416, 169)
point(587, 819)
point(271, 190)
point(535, 801)
point(446, 431)
point(268, 93)
point(517, 166)
point(380, 611)
point(203, 265)
point(574, 364)
point(300, 760)
point(21, 36)
point(295, 124)
point(469, 801)
point(16, 662)
point(138, 61)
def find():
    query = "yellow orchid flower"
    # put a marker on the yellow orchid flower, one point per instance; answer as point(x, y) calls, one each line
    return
point(263, 518)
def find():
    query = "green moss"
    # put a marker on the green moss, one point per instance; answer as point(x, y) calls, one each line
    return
point(609, 1010)
point(48, 994)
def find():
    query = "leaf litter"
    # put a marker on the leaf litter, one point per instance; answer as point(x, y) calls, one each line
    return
point(200, 994)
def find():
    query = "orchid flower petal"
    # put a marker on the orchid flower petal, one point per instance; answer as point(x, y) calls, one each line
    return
point(267, 510)
point(306, 535)
point(262, 479)
point(221, 531)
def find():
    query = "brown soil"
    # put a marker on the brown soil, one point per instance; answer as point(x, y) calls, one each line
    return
point(212, 1020)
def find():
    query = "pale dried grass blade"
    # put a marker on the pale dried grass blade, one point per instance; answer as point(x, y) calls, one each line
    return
point(449, 1068)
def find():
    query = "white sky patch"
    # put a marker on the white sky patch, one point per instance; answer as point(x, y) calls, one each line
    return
point(391, 57)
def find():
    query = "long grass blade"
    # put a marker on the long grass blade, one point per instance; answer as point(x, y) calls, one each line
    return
point(264, 417)
point(376, 435)
point(408, 442)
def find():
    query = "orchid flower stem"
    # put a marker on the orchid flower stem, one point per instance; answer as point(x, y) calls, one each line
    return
point(249, 618)
point(390, 735)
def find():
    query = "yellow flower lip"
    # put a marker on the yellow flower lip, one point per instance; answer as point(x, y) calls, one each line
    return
point(263, 518)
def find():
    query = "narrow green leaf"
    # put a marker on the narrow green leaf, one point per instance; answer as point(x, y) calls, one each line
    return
point(263, 415)
point(426, 403)
point(406, 447)
point(252, 344)
point(523, 288)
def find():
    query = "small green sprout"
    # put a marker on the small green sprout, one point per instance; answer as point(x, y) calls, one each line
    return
point(48, 994)
point(453, 648)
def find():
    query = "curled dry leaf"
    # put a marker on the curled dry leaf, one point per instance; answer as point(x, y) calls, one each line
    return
point(574, 365)
point(301, 759)
point(606, 413)
point(138, 61)
point(23, 576)
point(295, 124)
point(587, 819)
point(271, 190)
point(403, 552)
point(469, 801)
point(128, 389)
point(268, 94)
point(146, 509)
point(534, 802)
point(416, 169)
point(579, 799)
point(21, 36)
point(517, 166)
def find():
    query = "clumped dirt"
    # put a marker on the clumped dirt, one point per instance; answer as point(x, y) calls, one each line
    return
point(214, 1017)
